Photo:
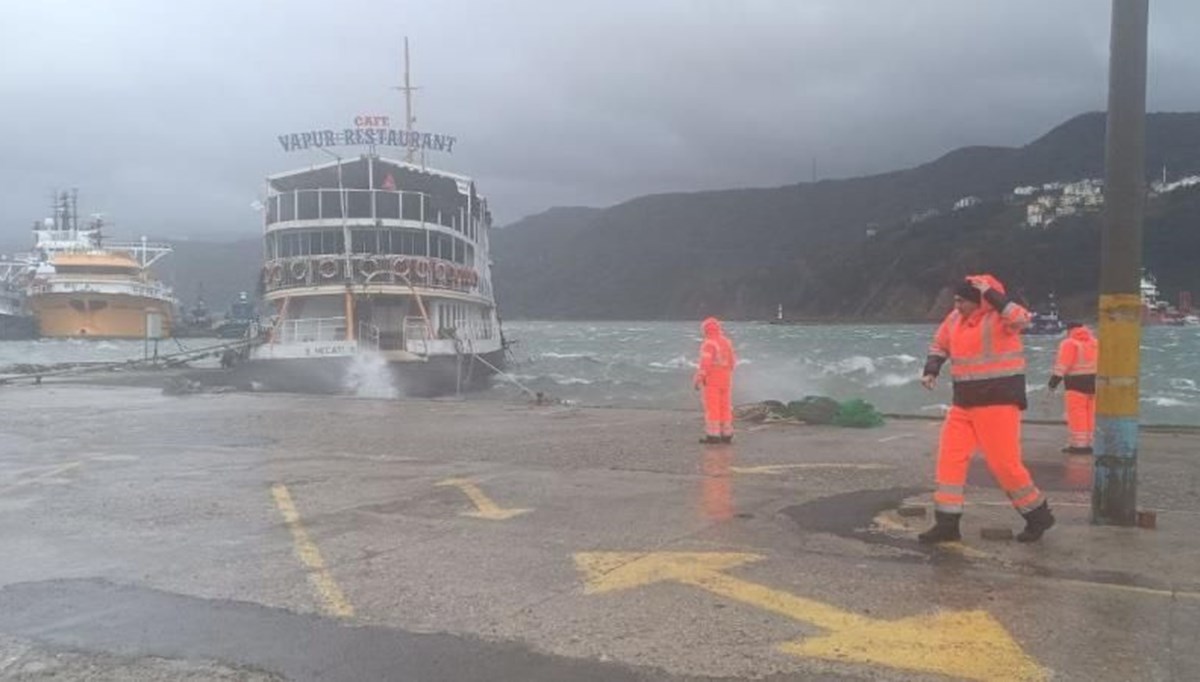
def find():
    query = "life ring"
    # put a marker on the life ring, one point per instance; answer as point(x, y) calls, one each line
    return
point(422, 269)
point(401, 267)
point(439, 271)
point(298, 269)
point(277, 274)
point(328, 268)
point(368, 266)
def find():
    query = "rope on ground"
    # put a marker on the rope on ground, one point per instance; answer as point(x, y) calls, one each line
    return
point(506, 375)
point(169, 360)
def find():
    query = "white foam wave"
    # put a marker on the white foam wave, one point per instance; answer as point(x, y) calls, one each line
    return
point(1163, 401)
point(901, 357)
point(567, 356)
point(677, 362)
point(370, 377)
point(1180, 384)
point(891, 380)
point(562, 380)
point(852, 365)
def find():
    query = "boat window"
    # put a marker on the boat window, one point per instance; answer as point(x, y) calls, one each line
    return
point(333, 242)
point(364, 241)
point(287, 206)
point(387, 205)
point(358, 204)
point(411, 208)
point(272, 209)
point(308, 205)
point(331, 206)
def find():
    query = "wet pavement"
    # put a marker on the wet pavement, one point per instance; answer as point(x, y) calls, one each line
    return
point(245, 536)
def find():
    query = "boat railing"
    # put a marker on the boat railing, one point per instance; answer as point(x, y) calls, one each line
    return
point(417, 334)
point(102, 287)
point(368, 335)
point(366, 269)
point(372, 204)
point(313, 329)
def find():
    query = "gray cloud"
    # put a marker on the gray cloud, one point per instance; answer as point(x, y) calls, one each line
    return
point(165, 114)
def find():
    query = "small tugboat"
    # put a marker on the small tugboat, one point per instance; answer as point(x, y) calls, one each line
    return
point(1047, 323)
point(240, 318)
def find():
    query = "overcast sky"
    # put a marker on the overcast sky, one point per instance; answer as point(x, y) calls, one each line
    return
point(165, 114)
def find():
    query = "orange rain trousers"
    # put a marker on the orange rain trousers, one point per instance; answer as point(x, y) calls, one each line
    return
point(995, 429)
point(1081, 418)
point(718, 403)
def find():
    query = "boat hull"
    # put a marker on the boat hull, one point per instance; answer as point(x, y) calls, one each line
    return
point(17, 327)
point(439, 375)
point(104, 316)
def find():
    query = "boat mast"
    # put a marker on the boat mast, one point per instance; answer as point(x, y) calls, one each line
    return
point(408, 88)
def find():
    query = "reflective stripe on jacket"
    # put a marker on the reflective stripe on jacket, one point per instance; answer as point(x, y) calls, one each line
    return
point(1077, 360)
point(987, 358)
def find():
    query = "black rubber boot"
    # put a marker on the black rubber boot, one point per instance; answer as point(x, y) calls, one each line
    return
point(1037, 522)
point(710, 440)
point(945, 529)
point(726, 439)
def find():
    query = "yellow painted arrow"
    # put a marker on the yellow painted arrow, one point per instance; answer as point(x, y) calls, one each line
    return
point(784, 468)
point(965, 644)
point(485, 508)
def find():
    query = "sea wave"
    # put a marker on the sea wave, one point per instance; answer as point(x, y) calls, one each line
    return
point(891, 380)
point(1188, 385)
point(562, 380)
point(1164, 401)
point(568, 356)
point(851, 365)
point(677, 362)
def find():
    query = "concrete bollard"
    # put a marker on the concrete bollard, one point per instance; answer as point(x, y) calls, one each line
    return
point(1147, 518)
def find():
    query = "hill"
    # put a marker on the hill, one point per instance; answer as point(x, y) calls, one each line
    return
point(739, 253)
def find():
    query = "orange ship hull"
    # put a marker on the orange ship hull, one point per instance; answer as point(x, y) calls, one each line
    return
point(95, 315)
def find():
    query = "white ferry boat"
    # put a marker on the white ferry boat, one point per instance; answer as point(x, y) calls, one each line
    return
point(376, 262)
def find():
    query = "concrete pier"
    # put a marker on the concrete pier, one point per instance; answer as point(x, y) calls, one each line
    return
point(248, 536)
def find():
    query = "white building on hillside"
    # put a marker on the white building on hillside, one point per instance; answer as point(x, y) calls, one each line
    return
point(967, 202)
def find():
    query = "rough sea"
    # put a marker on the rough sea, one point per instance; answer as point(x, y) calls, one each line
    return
point(650, 364)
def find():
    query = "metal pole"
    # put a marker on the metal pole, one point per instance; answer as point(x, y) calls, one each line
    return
point(1114, 491)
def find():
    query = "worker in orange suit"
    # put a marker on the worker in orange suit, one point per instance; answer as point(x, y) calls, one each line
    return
point(1076, 367)
point(981, 338)
point(714, 376)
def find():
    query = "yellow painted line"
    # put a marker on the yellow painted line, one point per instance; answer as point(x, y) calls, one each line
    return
point(485, 508)
point(884, 521)
point(784, 468)
point(964, 550)
point(41, 477)
point(332, 598)
point(964, 644)
point(1133, 589)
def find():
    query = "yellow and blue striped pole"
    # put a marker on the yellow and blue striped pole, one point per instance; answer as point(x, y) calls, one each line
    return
point(1114, 490)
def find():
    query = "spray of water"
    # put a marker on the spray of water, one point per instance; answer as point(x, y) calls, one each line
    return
point(370, 377)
